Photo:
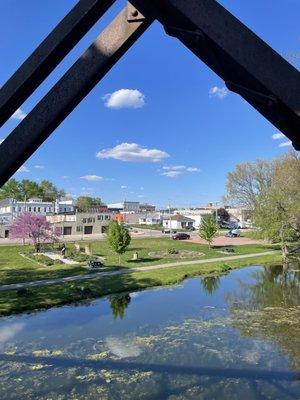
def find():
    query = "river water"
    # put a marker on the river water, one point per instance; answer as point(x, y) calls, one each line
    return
point(232, 337)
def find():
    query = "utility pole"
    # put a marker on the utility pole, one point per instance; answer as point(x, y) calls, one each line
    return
point(170, 234)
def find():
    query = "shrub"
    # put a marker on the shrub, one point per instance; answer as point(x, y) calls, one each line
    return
point(173, 251)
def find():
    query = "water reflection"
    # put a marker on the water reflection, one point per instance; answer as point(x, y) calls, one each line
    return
point(118, 304)
point(210, 284)
point(177, 343)
point(268, 308)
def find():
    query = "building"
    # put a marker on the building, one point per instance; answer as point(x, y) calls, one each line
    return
point(125, 207)
point(10, 209)
point(178, 221)
point(150, 219)
point(147, 208)
point(80, 223)
point(197, 215)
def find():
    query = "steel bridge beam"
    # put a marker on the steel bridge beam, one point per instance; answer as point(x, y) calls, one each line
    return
point(247, 64)
point(49, 54)
point(68, 92)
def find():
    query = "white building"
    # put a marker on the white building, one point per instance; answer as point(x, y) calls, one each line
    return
point(150, 219)
point(178, 221)
point(10, 209)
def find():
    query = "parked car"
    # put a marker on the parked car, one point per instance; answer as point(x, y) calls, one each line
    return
point(167, 230)
point(181, 236)
point(190, 228)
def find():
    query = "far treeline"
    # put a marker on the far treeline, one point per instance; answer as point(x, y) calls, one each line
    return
point(45, 190)
point(271, 189)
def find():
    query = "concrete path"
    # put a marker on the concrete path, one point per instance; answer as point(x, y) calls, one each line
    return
point(55, 256)
point(46, 282)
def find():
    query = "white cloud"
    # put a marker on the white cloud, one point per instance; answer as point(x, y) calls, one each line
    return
point(174, 168)
point(285, 144)
point(172, 171)
point(124, 98)
point(19, 114)
point(193, 169)
point(23, 169)
point(132, 152)
point(172, 174)
point(92, 178)
point(123, 187)
point(123, 348)
point(39, 166)
point(10, 331)
point(140, 196)
point(278, 135)
point(218, 92)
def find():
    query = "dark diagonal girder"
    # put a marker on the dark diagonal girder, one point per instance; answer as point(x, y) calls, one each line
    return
point(246, 63)
point(49, 54)
point(68, 92)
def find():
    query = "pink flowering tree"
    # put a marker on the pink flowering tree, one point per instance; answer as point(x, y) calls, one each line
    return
point(34, 227)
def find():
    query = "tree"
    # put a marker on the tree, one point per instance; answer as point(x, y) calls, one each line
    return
point(272, 190)
point(49, 192)
point(19, 190)
point(85, 203)
point(208, 229)
point(247, 181)
point(10, 190)
point(34, 227)
point(118, 238)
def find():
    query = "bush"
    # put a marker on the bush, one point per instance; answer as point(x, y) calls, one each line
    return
point(44, 260)
point(81, 257)
point(173, 251)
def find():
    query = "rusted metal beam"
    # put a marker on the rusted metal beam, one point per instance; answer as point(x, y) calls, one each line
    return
point(49, 54)
point(68, 92)
point(246, 63)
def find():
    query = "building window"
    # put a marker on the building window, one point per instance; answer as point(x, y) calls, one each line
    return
point(84, 220)
point(39, 209)
point(34, 209)
point(29, 209)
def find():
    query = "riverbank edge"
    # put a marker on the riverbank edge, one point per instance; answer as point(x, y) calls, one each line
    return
point(42, 298)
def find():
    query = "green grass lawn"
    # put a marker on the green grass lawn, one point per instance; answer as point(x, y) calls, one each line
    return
point(44, 297)
point(145, 246)
point(14, 268)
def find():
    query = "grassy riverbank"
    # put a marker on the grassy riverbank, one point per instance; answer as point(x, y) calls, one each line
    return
point(14, 268)
point(48, 296)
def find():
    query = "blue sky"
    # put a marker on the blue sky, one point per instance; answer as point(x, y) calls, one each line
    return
point(180, 132)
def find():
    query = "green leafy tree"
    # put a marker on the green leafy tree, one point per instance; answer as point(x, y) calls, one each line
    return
point(49, 192)
point(26, 189)
point(271, 189)
point(11, 189)
point(85, 203)
point(208, 229)
point(118, 238)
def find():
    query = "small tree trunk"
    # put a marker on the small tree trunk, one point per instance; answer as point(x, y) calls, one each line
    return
point(284, 248)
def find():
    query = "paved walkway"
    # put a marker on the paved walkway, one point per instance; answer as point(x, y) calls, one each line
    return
point(55, 256)
point(46, 282)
